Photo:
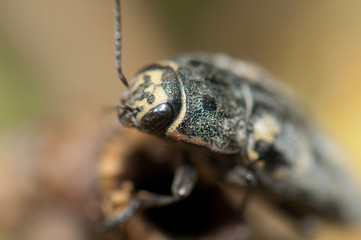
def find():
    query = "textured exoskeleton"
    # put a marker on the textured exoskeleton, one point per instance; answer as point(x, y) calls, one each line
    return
point(234, 107)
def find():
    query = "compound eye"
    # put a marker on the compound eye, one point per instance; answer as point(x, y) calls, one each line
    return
point(157, 119)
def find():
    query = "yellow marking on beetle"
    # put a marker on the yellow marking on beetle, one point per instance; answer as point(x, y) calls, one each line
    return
point(266, 128)
point(150, 89)
point(168, 63)
point(252, 154)
point(155, 88)
point(159, 97)
point(154, 75)
point(159, 94)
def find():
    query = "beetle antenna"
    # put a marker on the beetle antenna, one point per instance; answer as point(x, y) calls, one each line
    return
point(125, 108)
point(118, 43)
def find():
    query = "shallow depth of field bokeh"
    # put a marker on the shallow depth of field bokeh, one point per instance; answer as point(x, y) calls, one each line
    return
point(57, 69)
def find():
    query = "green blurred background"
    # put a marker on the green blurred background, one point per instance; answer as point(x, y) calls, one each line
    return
point(57, 57)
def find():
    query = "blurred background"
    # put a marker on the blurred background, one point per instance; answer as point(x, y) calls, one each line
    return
point(57, 75)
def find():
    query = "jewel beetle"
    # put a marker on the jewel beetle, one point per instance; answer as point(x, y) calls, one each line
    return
point(238, 110)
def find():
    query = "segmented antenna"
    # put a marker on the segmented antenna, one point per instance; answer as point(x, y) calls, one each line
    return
point(118, 43)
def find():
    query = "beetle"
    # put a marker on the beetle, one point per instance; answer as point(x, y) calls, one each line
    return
point(238, 110)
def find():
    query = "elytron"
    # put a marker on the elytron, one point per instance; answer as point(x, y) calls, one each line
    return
point(236, 109)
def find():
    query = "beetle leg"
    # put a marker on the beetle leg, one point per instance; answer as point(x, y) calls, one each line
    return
point(122, 216)
point(184, 179)
point(182, 185)
point(243, 177)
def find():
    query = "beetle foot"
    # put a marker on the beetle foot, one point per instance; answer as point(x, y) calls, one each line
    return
point(241, 176)
point(123, 215)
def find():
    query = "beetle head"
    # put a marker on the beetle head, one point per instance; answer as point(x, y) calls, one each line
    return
point(153, 100)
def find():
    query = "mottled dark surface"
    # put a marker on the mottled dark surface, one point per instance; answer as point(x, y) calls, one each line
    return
point(222, 110)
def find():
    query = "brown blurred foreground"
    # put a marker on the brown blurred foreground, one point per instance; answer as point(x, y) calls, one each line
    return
point(57, 195)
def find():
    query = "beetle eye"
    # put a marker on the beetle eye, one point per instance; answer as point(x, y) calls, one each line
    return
point(157, 120)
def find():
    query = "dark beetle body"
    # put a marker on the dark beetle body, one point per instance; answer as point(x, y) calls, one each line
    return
point(234, 107)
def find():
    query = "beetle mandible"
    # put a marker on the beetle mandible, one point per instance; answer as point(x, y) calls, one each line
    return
point(235, 108)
